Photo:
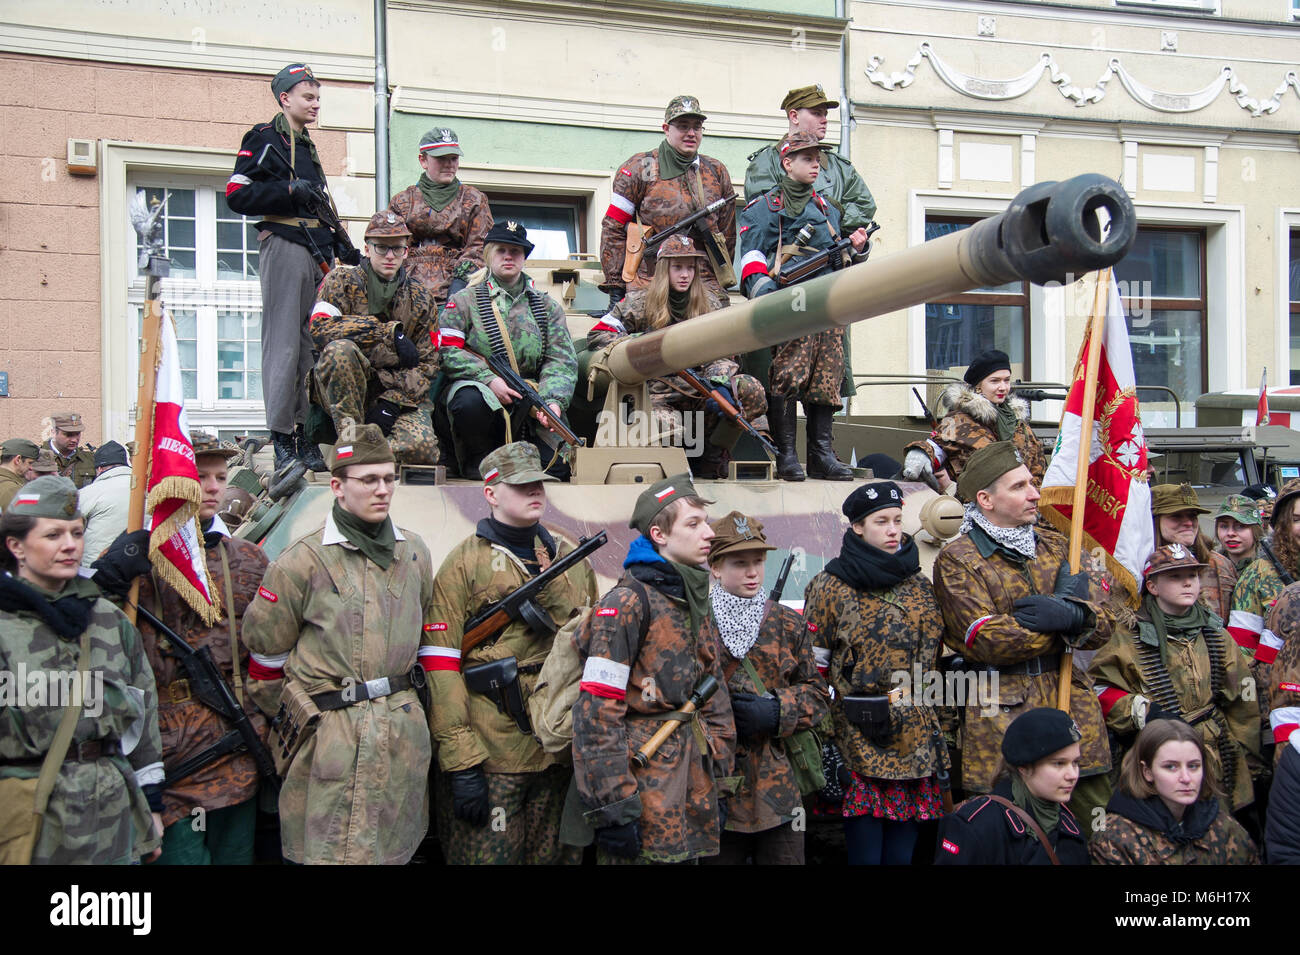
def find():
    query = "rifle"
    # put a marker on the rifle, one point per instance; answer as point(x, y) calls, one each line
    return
point(521, 603)
point(941, 774)
point(702, 693)
point(779, 587)
point(929, 415)
point(835, 257)
point(318, 205)
point(1282, 572)
point(501, 367)
point(638, 243)
point(212, 690)
point(728, 410)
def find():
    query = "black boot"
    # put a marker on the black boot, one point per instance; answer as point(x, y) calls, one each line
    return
point(308, 453)
point(822, 462)
point(708, 466)
point(286, 451)
point(781, 420)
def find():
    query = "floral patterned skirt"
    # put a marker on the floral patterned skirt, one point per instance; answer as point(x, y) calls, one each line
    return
point(897, 800)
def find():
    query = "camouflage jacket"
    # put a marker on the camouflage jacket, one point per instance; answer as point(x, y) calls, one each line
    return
point(447, 243)
point(467, 727)
point(970, 423)
point(550, 361)
point(97, 809)
point(1283, 676)
point(331, 618)
point(976, 582)
point(342, 310)
point(1146, 840)
point(639, 193)
point(1229, 718)
point(10, 482)
point(627, 686)
point(1218, 583)
point(188, 726)
point(766, 228)
point(866, 638)
point(783, 656)
point(79, 465)
point(1253, 597)
point(838, 181)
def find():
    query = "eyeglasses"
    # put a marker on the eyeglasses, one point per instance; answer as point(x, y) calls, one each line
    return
point(384, 251)
point(372, 481)
point(688, 127)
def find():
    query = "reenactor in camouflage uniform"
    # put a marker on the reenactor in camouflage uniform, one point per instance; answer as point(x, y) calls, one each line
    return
point(1175, 512)
point(808, 368)
point(1239, 529)
point(873, 615)
point(662, 186)
point(1180, 664)
point(1260, 583)
point(1284, 674)
point(975, 414)
point(448, 219)
point(108, 791)
point(16, 456)
point(344, 618)
point(645, 648)
point(536, 340)
point(776, 691)
point(665, 303)
point(75, 460)
point(1010, 606)
point(375, 328)
point(486, 759)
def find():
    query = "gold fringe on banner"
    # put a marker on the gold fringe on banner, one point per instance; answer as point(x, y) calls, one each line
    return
point(1048, 504)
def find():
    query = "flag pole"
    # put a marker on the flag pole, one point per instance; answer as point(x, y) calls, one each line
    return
point(1096, 332)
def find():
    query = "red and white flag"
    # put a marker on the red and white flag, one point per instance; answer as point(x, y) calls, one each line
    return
point(1261, 409)
point(172, 492)
point(1117, 515)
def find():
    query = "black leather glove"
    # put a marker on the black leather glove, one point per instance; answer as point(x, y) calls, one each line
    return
point(383, 413)
point(838, 776)
point(1072, 585)
point(1047, 613)
point(126, 559)
point(455, 286)
point(1154, 712)
point(469, 795)
point(623, 841)
point(616, 294)
point(408, 355)
point(755, 715)
point(711, 406)
point(304, 195)
point(347, 253)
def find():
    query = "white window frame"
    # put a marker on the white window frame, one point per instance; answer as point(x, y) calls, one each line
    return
point(1288, 219)
point(1212, 7)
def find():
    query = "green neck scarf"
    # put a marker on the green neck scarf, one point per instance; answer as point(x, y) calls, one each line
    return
point(1196, 618)
point(1045, 812)
point(281, 124)
point(795, 195)
point(376, 541)
point(672, 163)
point(696, 584)
point(677, 302)
point(436, 194)
point(380, 293)
point(1007, 420)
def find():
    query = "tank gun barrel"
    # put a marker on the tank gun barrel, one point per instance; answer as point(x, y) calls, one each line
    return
point(1050, 230)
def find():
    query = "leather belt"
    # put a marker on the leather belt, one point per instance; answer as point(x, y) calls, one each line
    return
point(370, 690)
point(178, 691)
point(1047, 663)
point(293, 220)
point(87, 751)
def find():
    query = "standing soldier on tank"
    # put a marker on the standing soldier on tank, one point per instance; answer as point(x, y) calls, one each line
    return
point(808, 368)
point(75, 460)
point(487, 760)
point(662, 186)
point(375, 328)
point(448, 219)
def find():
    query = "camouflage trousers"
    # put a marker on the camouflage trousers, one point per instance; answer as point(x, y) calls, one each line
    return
point(809, 368)
point(343, 381)
point(667, 404)
point(523, 827)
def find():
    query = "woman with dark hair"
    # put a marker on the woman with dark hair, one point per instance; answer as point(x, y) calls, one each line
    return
point(1239, 529)
point(1175, 514)
point(1166, 809)
point(1263, 580)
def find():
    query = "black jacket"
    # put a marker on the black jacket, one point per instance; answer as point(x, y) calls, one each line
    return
point(982, 832)
point(1282, 830)
point(259, 185)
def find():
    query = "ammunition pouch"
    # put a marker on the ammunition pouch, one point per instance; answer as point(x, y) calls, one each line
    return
point(871, 715)
point(500, 680)
point(293, 725)
point(716, 250)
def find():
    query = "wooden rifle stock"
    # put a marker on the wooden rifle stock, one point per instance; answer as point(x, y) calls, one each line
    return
point(728, 410)
point(702, 693)
point(485, 629)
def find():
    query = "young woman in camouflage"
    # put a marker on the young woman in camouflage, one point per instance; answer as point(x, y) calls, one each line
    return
point(1263, 580)
point(1239, 529)
point(873, 615)
point(1175, 513)
point(1165, 810)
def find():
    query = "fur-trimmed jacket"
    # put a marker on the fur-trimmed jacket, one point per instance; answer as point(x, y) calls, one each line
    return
point(968, 421)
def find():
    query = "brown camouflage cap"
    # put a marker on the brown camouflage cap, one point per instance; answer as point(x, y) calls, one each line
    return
point(736, 532)
point(207, 443)
point(1174, 499)
point(1240, 508)
point(45, 463)
point(680, 106)
point(808, 97)
point(440, 141)
point(366, 445)
point(797, 142)
point(1170, 557)
point(658, 496)
point(21, 447)
point(387, 224)
point(69, 421)
point(47, 496)
point(517, 463)
point(1289, 490)
point(679, 247)
point(985, 466)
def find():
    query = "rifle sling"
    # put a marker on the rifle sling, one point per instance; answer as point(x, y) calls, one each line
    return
point(230, 625)
point(62, 736)
point(1031, 822)
point(1277, 564)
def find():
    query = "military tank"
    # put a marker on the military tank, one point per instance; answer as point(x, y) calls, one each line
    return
point(1047, 231)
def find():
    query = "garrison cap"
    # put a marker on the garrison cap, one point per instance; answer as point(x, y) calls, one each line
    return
point(291, 76)
point(736, 532)
point(367, 445)
point(985, 466)
point(678, 247)
point(110, 454)
point(1240, 508)
point(45, 463)
point(797, 142)
point(1174, 499)
point(680, 106)
point(69, 421)
point(1289, 490)
point(20, 447)
point(47, 496)
point(440, 141)
point(658, 496)
point(985, 364)
point(387, 225)
point(509, 232)
point(808, 97)
point(1265, 499)
point(1037, 733)
point(516, 463)
point(871, 497)
point(204, 442)
point(1169, 557)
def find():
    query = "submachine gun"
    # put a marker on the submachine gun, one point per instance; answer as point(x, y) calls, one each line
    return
point(838, 255)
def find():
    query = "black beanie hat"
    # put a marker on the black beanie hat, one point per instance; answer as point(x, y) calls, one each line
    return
point(985, 364)
point(1037, 733)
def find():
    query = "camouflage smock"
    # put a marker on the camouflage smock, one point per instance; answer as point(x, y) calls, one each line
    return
point(783, 656)
point(97, 813)
point(1125, 842)
point(1283, 677)
point(837, 180)
point(444, 244)
point(1256, 591)
point(356, 790)
point(976, 582)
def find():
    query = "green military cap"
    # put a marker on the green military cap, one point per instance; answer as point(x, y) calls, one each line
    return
point(47, 496)
point(20, 447)
point(69, 421)
point(985, 466)
point(736, 532)
point(808, 97)
point(1289, 490)
point(658, 496)
point(205, 442)
point(1240, 508)
point(797, 142)
point(517, 463)
point(680, 106)
point(1174, 499)
point(45, 463)
point(440, 141)
point(367, 445)
point(289, 77)
point(1170, 557)
point(387, 225)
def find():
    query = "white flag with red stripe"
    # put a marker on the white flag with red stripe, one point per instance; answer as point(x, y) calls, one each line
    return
point(1261, 409)
point(1117, 515)
point(172, 492)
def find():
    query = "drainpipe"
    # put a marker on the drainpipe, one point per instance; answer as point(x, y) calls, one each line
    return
point(381, 104)
point(847, 121)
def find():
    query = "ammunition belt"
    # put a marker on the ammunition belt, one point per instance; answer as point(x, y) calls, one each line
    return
point(536, 306)
point(370, 690)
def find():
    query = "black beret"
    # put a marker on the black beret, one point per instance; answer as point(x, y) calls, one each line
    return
point(985, 364)
point(871, 497)
point(1038, 733)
